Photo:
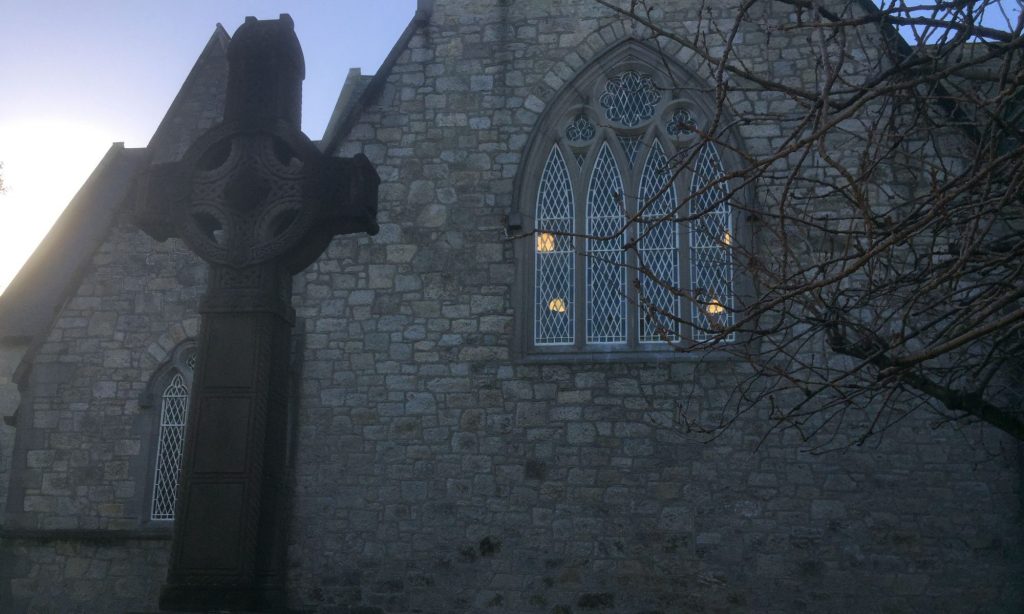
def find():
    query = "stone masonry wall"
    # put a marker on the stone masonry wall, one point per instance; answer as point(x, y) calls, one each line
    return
point(77, 536)
point(10, 357)
point(73, 576)
point(437, 470)
point(81, 455)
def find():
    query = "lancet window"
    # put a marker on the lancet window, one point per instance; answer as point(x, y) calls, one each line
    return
point(633, 224)
point(170, 391)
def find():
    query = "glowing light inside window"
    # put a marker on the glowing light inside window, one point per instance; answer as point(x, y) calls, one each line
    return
point(557, 305)
point(545, 242)
point(554, 259)
point(710, 247)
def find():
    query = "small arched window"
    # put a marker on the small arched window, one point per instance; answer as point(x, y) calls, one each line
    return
point(169, 393)
point(632, 220)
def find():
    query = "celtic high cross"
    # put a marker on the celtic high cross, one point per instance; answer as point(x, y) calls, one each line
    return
point(257, 200)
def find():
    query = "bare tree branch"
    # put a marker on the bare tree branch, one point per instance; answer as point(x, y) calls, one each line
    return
point(887, 248)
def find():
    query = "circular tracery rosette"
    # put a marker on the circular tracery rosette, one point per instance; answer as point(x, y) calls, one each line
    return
point(249, 199)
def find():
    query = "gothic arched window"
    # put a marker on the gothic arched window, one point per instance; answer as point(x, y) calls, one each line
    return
point(628, 162)
point(169, 394)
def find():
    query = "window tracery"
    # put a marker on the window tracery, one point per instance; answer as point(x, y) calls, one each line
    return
point(630, 98)
point(629, 185)
point(580, 129)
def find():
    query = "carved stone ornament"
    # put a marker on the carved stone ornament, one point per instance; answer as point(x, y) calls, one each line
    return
point(243, 196)
point(255, 189)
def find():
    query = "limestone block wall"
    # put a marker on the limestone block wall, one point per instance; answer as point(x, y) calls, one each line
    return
point(83, 438)
point(76, 531)
point(75, 534)
point(75, 576)
point(11, 353)
point(438, 470)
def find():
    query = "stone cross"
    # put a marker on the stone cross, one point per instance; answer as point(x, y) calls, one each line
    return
point(259, 202)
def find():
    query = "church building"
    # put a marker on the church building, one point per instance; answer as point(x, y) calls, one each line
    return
point(481, 413)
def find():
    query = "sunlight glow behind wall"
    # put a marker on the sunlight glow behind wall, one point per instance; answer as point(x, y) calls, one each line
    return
point(107, 71)
point(45, 161)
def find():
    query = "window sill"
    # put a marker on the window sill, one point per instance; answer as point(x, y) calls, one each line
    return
point(598, 355)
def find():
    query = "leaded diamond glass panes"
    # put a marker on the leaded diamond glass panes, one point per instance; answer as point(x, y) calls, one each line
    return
point(630, 145)
point(554, 304)
point(624, 129)
point(580, 129)
point(606, 273)
point(630, 98)
point(173, 414)
point(657, 250)
point(710, 247)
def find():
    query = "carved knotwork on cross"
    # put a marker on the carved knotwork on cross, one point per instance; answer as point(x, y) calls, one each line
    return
point(254, 189)
point(259, 202)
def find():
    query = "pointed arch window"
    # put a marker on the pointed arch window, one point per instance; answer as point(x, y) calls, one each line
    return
point(632, 217)
point(606, 273)
point(711, 233)
point(657, 249)
point(555, 260)
point(168, 393)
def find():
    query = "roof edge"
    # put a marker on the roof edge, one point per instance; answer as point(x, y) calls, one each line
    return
point(35, 295)
point(350, 91)
point(220, 37)
point(890, 32)
point(346, 113)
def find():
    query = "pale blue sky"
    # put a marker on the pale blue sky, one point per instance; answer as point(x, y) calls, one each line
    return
point(77, 75)
point(120, 62)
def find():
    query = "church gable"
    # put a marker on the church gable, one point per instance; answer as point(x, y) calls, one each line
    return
point(437, 459)
point(199, 103)
point(34, 296)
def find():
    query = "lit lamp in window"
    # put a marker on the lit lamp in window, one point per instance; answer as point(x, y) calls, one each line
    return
point(545, 243)
point(557, 305)
point(714, 307)
point(727, 239)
